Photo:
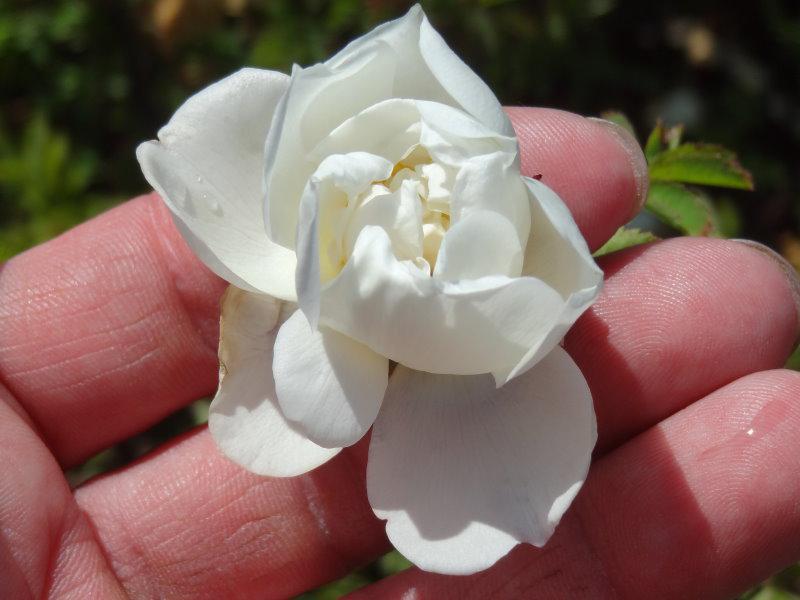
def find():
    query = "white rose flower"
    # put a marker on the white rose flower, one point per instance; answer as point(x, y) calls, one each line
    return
point(371, 209)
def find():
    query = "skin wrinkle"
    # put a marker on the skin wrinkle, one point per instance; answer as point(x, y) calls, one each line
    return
point(233, 511)
point(67, 575)
point(57, 519)
point(68, 343)
point(127, 311)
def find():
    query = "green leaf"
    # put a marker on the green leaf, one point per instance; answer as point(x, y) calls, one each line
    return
point(620, 119)
point(655, 142)
point(729, 218)
point(771, 592)
point(701, 164)
point(793, 362)
point(686, 209)
point(625, 237)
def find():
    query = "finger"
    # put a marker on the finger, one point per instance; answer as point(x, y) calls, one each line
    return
point(596, 166)
point(118, 320)
point(47, 547)
point(676, 320)
point(702, 506)
point(96, 323)
point(188, 523)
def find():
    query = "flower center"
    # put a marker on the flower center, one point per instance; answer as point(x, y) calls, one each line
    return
point(412, 205)
point(429, 179)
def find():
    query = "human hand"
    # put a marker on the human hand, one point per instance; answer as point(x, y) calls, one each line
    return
point(694, 491)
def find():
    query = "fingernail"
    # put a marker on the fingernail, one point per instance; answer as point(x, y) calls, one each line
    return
point(786, 267)
point(636, 157)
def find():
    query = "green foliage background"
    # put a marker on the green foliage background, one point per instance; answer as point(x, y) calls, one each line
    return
point(82, 82)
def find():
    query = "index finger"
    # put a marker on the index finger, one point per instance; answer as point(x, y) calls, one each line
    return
point(118, 319)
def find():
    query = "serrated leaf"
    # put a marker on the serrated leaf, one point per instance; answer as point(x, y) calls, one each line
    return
point(701, 164)
point(655, 142)
point(683, 208)
point(625, 237)
point(620, 119)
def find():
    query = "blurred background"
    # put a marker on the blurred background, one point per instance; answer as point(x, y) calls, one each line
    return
point(83, 82)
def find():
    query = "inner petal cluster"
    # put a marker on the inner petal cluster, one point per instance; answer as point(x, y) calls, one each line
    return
point(412, 205)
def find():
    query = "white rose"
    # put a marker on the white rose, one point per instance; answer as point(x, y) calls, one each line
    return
point(380, 193)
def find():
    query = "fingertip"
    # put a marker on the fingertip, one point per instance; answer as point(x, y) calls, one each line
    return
point(788, 272)
point(599, 172)
point(636, 158)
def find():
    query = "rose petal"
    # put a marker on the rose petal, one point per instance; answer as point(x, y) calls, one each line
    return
point(492, 182)
point(466, 327)
point(558, 255)
point(329, 197)
point(557, 252)
point(317, 101)
point(399, 213)
point(244, 418)
point(405, 58)
point(453, 136)
point(330, 386)
point(463, 471)
point(429, 70)
point(207, 167)
point(388, 129)
point(482, 244)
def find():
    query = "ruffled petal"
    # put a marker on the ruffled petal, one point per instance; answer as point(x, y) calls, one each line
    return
point(207, 167)
point(328, 200)
point(330, 386)
point(492, 183)
point(558, 255)
point(245, 419)
point(428, 69)
point(557, 252)
point(482, 244)
point(317, 101)
point(465, 327)
point(463, 472)
point(405, 58)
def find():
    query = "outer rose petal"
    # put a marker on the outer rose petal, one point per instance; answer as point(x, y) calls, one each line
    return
point(558, 255)
point(460, 328)
point(207, 167)
point(429, 70)
point(556, 252)
point(328, 385)
point(244, 418)
point(463, 471)
point(405, 58)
